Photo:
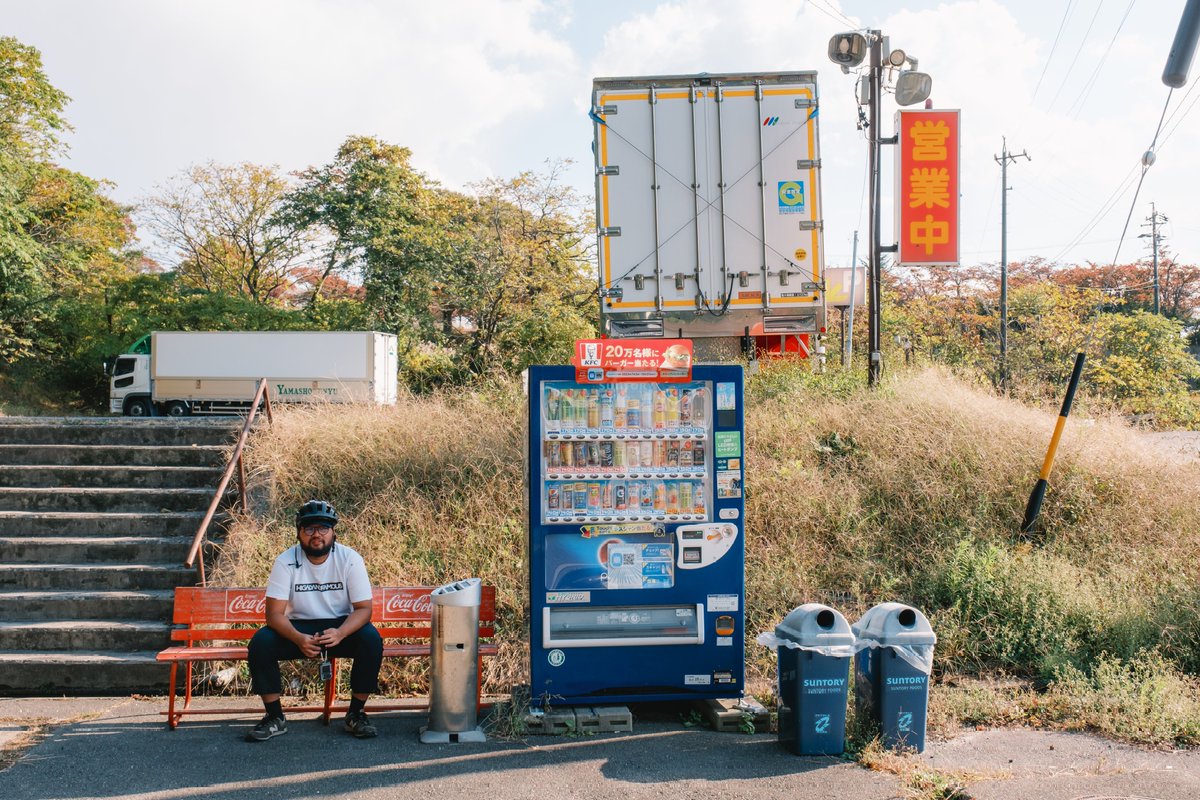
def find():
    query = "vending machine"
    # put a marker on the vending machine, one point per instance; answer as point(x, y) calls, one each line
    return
point(636, 526)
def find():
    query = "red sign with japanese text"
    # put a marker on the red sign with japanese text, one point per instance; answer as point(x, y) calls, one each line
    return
point(927, 187)
point(615, 360)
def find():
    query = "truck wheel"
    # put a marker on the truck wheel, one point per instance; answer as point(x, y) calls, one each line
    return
point(178, 408)
point(138, 407)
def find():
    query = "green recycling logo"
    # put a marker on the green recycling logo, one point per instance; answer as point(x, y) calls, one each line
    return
point(791, 197)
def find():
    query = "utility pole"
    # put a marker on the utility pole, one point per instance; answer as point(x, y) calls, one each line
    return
point(1003, 160)
point(849, 323)
point(1154, 220)
point(875, 295)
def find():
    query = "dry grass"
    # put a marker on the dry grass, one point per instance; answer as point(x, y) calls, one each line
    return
point(913, 492)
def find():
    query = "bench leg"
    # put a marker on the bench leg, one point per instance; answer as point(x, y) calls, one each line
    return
point(330, 691)
point(172, 719)
point(187, 692)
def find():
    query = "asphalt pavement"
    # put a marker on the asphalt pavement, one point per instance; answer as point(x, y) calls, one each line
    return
point(120, 747)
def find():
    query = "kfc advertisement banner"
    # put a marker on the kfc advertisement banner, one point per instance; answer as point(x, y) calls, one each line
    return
point(927, 187)
point(615, 360)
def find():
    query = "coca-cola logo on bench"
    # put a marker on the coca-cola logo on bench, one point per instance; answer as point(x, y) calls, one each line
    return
point(245, 606)
point(407, 604)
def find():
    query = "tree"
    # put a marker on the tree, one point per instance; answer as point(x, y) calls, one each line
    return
point(224, 222)
point(523, 290)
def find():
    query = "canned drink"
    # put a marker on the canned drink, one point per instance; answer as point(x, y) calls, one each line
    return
point(553, 457)
point(581, 455)
point(686, 455)
point(593, 497)
point(660, 454)
point(606, 455)
point(618, 455)
point(685, 496)
point(633, 454)
point(647, 455)
point(552, 498)
point(672, 497)
point(581, 498)
point(698, 454)
point(568, 497)
point(606, 496)
point(619, 501)
point(566, 455)
point(698, 498)
point(593, 454)
point(633, 412)
point(673, 454)
point(646, 490)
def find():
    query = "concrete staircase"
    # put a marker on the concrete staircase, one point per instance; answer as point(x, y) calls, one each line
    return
point(96, 518)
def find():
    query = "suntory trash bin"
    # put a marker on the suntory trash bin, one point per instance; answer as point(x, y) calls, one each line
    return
point(892, 661)
point(454, 673)
point(815, 646)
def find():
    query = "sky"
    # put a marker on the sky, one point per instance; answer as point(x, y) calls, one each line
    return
point(491, 88)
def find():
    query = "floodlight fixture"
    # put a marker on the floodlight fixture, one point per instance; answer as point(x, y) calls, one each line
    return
point(913, 87)
point(897, 57)
point(848, 49)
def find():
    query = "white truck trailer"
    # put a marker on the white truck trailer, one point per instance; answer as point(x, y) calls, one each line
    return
point(708, 206)
point(217, 372)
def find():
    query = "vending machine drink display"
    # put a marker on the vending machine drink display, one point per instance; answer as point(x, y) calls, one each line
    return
point(636, 528)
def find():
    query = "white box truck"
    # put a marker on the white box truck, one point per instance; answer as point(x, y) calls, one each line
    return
point(217, 372)
point(708, 205)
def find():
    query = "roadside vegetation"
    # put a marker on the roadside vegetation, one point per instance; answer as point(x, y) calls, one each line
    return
point(914, 492)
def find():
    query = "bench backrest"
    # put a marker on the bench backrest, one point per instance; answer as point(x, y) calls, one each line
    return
point(228, 614)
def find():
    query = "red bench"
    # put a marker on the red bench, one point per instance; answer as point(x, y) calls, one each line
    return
point(216, 626)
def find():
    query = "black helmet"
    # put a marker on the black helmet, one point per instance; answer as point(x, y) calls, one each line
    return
point(316, 511)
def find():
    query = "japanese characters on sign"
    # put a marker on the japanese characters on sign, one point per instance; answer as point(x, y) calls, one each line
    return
point(927, 187)
point(608, 360)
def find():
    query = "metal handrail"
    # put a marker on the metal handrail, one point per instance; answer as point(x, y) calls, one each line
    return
point(235, 460)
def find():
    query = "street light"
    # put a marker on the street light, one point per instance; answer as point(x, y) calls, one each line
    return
point(847, 50)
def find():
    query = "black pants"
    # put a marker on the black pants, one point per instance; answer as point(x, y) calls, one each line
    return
point(268, 648)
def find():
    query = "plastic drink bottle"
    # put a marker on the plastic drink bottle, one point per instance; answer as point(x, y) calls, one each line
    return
point(621, 412)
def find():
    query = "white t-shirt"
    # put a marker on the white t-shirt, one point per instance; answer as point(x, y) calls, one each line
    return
point(319, 591)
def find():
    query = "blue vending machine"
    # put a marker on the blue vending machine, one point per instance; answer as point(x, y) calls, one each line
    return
point(636, 525)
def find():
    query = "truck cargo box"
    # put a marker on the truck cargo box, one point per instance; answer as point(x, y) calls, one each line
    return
point(708, 204)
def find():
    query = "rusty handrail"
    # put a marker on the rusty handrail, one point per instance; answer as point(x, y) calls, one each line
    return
point(234, 460)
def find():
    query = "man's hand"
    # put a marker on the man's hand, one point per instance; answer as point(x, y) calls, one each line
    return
point(329, 638)
point(309, 645)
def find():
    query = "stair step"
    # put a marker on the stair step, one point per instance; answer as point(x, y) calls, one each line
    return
point(119, 500)
point(75, 523)
point(126, 477)
point(112, 455)
point(96, 576)
point(84, 634)
point(149, 604)
point(117, 431)
point(90, 672)
point(86, 549)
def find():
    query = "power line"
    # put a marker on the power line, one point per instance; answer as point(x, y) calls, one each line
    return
point(1053, 47)
point(1091, 81)
point(1079, 50)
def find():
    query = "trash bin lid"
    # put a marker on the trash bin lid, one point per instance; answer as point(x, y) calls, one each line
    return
point(895, 624)
point(467, 592)
point(815, 625)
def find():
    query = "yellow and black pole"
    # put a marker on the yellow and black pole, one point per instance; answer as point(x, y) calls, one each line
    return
point(1039, 490)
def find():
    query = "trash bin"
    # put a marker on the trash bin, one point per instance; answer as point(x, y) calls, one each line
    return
point(454, 669)
point(815, 646)
point(892, 661)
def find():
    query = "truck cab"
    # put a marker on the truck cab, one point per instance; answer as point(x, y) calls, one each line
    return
point(129, 386)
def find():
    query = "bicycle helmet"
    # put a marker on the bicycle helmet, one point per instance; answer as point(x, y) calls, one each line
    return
point(316, 511)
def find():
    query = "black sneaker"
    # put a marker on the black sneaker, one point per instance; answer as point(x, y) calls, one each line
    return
point(267, 728)
point(358, 726)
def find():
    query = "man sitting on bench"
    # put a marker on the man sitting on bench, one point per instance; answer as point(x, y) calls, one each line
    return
point(318, 605)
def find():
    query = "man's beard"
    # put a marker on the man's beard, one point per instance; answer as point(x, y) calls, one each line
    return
point(318, 552)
